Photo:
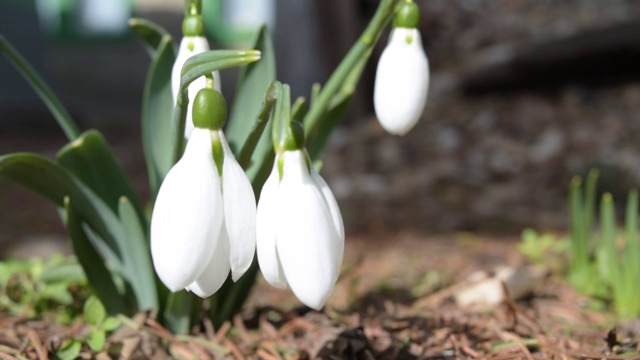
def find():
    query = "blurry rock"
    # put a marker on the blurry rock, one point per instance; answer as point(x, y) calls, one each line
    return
point(489, 291)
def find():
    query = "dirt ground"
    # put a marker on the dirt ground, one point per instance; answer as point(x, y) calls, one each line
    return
point(394, 300)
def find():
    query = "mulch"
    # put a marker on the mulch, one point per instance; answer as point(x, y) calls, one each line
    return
point(551, 322)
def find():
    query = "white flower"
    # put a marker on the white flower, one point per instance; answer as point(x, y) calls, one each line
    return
point(402, 81)
point(190, 46)
point(203, 225)
point(300, 234)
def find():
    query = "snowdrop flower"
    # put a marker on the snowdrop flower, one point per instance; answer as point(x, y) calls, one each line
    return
point(402, 76)
point(203, 222)
point(193, 43)
point(300, 234)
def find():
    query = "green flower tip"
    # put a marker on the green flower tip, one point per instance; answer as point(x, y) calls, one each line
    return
point(193, 25)
point(209, 110)
point(407, 15)
point(294, 139)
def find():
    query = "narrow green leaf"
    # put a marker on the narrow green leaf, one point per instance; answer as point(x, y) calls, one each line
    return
point(631, 262)
point(590, 200)
point(89, 159)
point(220, 56)
point(252, 82)
point(225, 62)
point(249, 146)
point(178, 311)
point(157, 110)
point(579, 255)
point(299, 108)
point(329, 120)
point(137, 256)
point(58, 292)
point(216, 60)
point(356, 58)
point(149, 32)
point(608, 259)
point(93, 311)
point(47, 95)
point(54, 183)
point(99, 277)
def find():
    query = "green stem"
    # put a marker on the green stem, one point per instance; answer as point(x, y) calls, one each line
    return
point(44, 91)
point(179, 121)
point(274, 91)
point(366, 42)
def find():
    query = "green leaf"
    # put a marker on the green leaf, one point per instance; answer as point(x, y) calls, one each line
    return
point(47, 95)
point(96, 339)
point(157, 110)
point(69, 350)
point(58, 292)
point(329, 120)
point(196, 67)
point(608, 255)
point(138, 256)
point(178, 311)
point(253, 80)
point(222, 57)
point(346, 76)
point(99, 277)
point(149, 32)
point(111, 323)
point(54, 183)
point(94, 312)
point(631, 264)
point(68, 272)
point(90, 159)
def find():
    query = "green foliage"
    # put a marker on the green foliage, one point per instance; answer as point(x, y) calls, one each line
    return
point(544, 248)
point(105, 220)
point(95, 315)
point(38, 288)
point(604, 264)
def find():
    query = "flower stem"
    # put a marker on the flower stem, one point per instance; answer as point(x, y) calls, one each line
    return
point(274, 92)
point(360, 49)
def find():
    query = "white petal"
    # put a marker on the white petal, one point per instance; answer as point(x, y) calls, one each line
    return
point(217, 270)
point(187, 215)
point(335, 215)
point(199, 45)
point(239, 213)
point(402, 81)
point(266, 218)
point(306, 234)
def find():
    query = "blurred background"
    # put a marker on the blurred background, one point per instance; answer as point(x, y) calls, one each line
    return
point(524, 94)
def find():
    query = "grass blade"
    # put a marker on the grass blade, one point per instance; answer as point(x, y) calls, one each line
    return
point(52, 102)
point(157, 118)
point(631, 260)
point(99, 277)
point(137, 257)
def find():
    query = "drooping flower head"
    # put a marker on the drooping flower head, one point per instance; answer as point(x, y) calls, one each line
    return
point(402, 76)
point(203, 221)
point(300, 234)
point(193, 43)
